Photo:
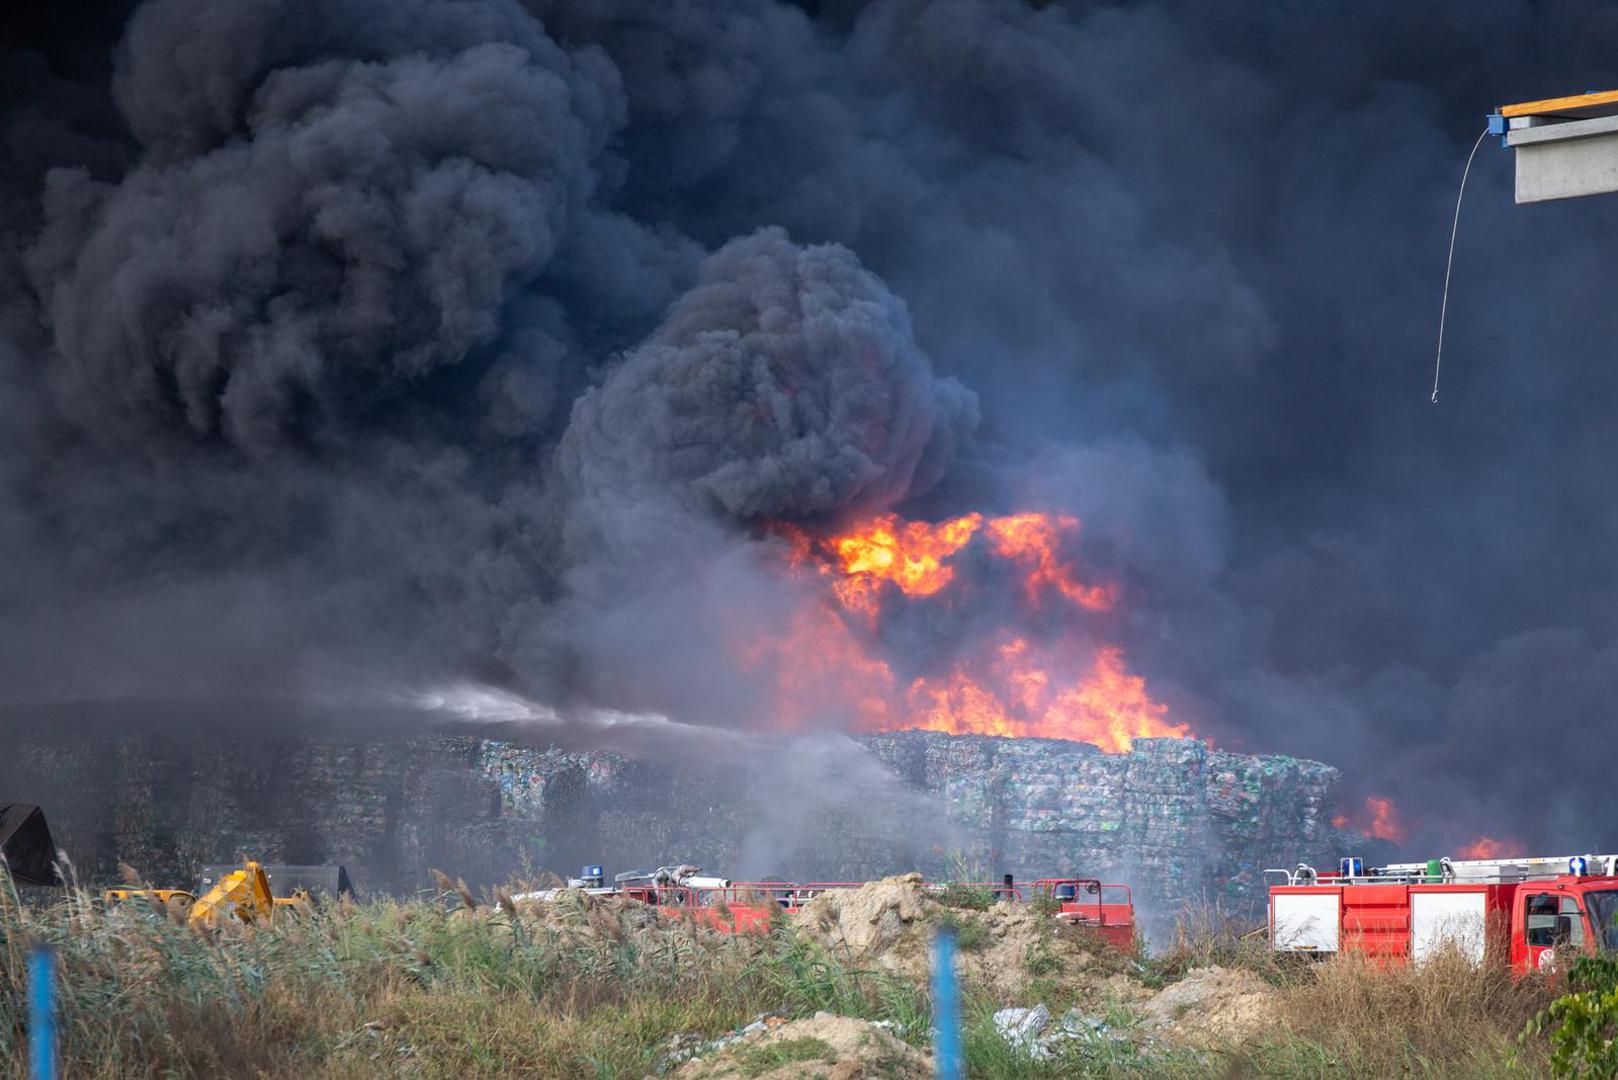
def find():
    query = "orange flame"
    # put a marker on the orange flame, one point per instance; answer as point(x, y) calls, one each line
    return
point(1005, 684)
point(907, 554)
point(819, 667)
point(1487, 847)
point(912, 555)
point(1379, 820)
point(1031, 540)
point(1105, 705)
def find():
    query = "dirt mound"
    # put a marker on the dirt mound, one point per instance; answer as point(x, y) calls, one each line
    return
point(1212, 1005)
point(889, 924)
point(833, 1047)
point(1024, 944)
point(881, 921)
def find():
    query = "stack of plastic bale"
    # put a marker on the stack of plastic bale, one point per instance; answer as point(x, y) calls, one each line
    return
point(1167, 838)
point(1268, 812)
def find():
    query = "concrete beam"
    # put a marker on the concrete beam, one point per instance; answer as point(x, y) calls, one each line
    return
point(1565, 160)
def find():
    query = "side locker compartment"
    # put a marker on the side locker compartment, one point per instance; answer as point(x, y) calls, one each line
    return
point(1306, 918)
point(1376, 920)
point(1448, 917)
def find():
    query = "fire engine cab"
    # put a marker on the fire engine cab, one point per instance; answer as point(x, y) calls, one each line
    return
point(1531, 912)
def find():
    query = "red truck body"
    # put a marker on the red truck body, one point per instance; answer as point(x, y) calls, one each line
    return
point(1109, 910)
point(1519, 913)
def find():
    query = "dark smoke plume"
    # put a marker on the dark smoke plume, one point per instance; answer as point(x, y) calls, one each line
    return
point(786, 383)
point(359, 340)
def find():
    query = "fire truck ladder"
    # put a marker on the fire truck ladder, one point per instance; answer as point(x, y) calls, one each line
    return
point(1504, 871)
point(1463, 871)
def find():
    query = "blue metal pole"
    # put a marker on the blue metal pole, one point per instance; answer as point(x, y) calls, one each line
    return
point(42, 1013)
point(946, 1008)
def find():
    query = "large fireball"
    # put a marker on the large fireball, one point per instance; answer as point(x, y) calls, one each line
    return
point(1060, 678)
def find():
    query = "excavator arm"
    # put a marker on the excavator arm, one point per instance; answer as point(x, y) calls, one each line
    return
point(242, 895)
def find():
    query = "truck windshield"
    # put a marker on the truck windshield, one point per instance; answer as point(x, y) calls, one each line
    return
point(1603, 909)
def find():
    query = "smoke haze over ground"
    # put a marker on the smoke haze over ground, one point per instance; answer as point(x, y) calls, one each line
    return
point(430, 339)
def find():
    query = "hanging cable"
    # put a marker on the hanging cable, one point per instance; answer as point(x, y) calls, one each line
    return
point(1443, 310)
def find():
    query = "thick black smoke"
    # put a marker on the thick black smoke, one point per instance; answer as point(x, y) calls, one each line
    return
point(785, 383)
point(371, 336)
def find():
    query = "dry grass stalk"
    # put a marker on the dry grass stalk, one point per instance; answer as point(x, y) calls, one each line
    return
point(1382, 1016)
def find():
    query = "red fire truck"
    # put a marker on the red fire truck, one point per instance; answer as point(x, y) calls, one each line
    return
point(1530, 912)
point(1109, 910)
point(748, 906)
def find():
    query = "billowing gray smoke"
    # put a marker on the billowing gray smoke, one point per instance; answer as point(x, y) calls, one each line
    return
point(359, 231)
point(369, 339)
point(786, 383)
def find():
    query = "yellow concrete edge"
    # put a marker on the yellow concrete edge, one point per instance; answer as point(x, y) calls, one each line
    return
point(1551, 106)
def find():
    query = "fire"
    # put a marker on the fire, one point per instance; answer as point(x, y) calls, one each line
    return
point(1379, 820)
point(913, 557)
point(817, 662)
point(1104, 704)
point(1032, 540)
point(1487, 847)
point(909, 555)
point(1060, 683)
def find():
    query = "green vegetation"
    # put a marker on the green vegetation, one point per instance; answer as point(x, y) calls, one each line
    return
point(966, 897)
point(957, 893)
point(758, 1060)
point(1045, 903)
point(435, 988)
point(1040, 960)
point(970, 934)
point(374, 988)
point(1582, 1025)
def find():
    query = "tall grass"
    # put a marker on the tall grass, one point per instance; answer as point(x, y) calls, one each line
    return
point(1444, 1017)
point(1349, 1016)
point(1206, 935)
point(445, 987)
point(374, 988)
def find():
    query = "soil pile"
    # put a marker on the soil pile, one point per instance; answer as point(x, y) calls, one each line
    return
point(889, 925)
point(884, 922)
point(1212, 1005)
point(824, 1045)
point(1024, 944)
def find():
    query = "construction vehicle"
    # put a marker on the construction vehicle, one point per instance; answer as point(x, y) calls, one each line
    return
point(26, 847)
point(250, 893)
point(1532, 913)
point(737, 907)
point(291, 882)
point(243, 895)
point(1108, 910)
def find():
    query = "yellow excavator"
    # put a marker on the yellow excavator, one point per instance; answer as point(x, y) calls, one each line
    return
point(238, 895)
